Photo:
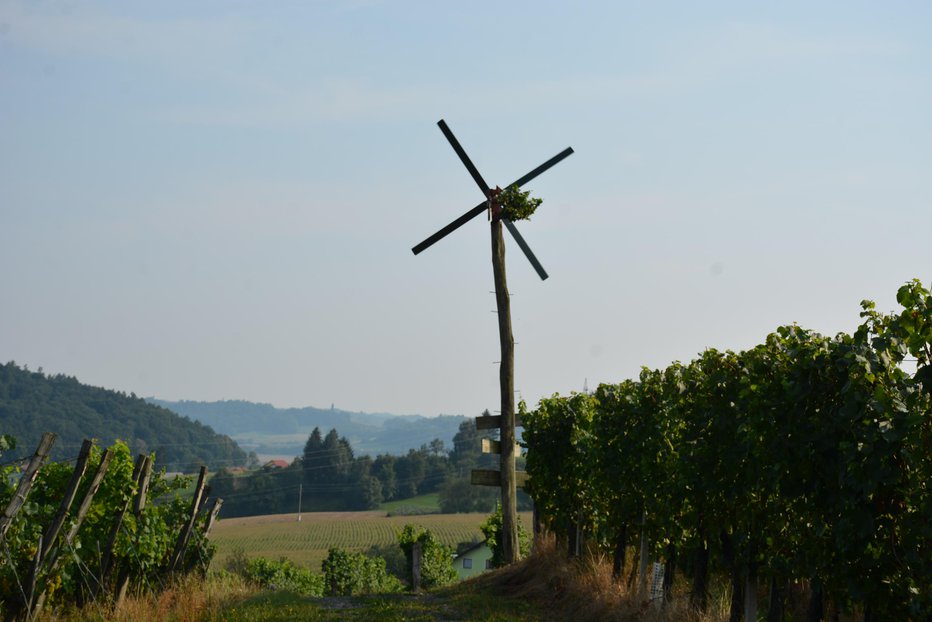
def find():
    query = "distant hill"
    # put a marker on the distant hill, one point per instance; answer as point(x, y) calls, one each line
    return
point(266, 429)
point(32, 403)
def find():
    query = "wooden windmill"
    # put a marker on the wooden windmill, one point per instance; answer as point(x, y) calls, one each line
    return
point(506, 478)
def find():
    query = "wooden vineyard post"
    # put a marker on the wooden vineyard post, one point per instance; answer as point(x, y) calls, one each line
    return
point(416, 566)
point(51, 562)
point(642, 571)
point(26, 482)
point(209, 520)
point(106, 561)
point(139, 504)
point(185, 535)
point(51, 534)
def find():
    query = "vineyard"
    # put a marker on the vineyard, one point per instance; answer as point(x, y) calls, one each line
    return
point(798, 469)
point(87, 531)
point(306, 543)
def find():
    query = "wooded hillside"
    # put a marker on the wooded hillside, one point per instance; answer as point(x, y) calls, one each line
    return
point(32, 403)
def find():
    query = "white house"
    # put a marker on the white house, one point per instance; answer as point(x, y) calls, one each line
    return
point(474, 560)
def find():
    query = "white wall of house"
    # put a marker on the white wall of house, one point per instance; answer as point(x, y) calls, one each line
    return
point(473, 562)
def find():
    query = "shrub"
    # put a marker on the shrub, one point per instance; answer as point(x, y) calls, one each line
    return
point(283, 575)
point(395, 562)
point(347, 573)
point(436, 559)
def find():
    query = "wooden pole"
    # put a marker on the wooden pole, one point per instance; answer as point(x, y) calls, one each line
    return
point(416, 566)
point(510, 551)
point(106, 559)
point(50, 563)
point(185, 535)
point(51, 534)
point(26, 482)
point(139, 504)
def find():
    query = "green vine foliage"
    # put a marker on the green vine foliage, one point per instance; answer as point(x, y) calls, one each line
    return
point(347, 573)
point(282, 575)
point(492, 530)
point(805, 458)
point(143, 546)
point(517, 205)
point(436, 559)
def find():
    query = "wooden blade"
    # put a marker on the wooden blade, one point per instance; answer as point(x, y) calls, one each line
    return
point(543, 167)
point(453, 226)
point(464, 159)
point(527, 250)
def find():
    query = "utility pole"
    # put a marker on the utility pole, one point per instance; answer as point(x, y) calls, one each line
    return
point(506, 374)
point(300, 490)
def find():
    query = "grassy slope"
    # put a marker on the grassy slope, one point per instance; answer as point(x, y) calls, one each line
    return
point(306, 542)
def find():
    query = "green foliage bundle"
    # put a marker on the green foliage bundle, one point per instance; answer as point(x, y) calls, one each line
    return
point(492, 530)
point(347, 573)
point(805, 458)
point(518, 205)
point(436, 559)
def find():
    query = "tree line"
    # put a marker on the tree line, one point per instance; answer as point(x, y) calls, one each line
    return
point(802, 465)
point(32, 403)
point(328, 476)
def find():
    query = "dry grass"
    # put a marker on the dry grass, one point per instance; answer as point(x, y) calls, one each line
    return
point(583, 589)
point(189, 600)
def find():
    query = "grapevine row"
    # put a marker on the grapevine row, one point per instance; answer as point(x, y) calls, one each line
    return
point(804, 461)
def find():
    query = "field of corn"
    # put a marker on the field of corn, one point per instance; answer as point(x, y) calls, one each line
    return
point(306, 542)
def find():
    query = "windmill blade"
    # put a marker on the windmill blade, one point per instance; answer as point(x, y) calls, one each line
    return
point(464, 158)
point(527, 249)
point(543, 167)
point(453, 226)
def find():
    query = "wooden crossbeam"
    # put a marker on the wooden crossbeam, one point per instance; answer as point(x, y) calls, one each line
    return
point(495, 447)
point(490, 477)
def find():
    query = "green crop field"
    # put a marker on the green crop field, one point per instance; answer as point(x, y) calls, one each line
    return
point(306, 542)
point(424, 504)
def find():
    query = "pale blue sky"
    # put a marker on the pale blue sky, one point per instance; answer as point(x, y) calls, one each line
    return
point(218, 199)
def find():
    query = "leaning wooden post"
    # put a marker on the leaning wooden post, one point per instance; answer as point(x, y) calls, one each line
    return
point(642, 572)
point(25, 483)
point(33, 579)
point(139, 504)
point(510, 550)
point(185, 535)
point(51, 562)
point(212, 517)
point(106, 560)
point(80, 467)
point(416, 566)
point(209, 520)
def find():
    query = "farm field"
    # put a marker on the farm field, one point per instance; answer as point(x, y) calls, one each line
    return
point(424, 504)
point(306, 542)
